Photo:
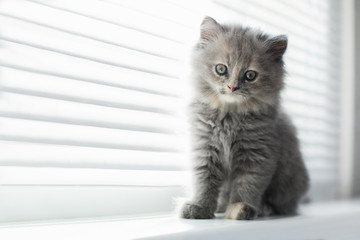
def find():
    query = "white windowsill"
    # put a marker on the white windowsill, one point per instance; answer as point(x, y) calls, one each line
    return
point(336, 220)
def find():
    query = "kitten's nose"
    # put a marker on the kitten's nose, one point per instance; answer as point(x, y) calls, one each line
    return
point(232, 87)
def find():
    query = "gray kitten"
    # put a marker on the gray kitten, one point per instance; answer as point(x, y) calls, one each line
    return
point(246, 154)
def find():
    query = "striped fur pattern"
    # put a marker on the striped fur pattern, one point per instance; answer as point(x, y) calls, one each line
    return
point(246, 154)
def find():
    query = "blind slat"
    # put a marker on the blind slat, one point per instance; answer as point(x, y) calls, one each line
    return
point(85, 92)
point(87, 135)
point(51, 155)
point(286, 24)
point(55, 176)
point(283, 11)
point(47, 38)
point(38, 108)
point(111, 13)
point(166, 10)
point(88, 27)
point(130, 60)
point(131, 80)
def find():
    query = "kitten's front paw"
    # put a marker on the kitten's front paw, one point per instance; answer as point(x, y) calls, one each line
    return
point(193, 211)
point(266, 210)
point(240, 211)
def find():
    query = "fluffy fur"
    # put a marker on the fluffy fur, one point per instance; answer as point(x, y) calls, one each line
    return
point(246, 154)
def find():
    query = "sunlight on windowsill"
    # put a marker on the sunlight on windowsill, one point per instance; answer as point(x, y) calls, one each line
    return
point(332, 220)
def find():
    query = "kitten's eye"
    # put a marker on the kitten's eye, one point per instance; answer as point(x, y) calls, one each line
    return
point(221, 69)
point(250, 75)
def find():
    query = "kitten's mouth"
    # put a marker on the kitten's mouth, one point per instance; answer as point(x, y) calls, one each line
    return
point(237, 93)
point(233, 97)
point(228, 92)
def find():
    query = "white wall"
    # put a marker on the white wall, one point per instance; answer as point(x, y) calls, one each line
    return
point(356, 168)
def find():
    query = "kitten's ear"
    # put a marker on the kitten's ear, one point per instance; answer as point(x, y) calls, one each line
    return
point(209, 29)
point(277, 46)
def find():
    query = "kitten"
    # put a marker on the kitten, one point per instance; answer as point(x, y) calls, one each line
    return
point(246, 154)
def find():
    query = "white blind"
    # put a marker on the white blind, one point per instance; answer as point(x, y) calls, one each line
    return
point(90, 110)
point(91, 99)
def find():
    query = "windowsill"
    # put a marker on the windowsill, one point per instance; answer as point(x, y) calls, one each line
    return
point(335, 220)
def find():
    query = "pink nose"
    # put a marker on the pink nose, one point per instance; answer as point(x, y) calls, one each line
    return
point(232, 87)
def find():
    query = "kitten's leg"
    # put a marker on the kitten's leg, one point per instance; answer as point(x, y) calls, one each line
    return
point(246, 195)
point(291, 180)
point(286, 189)
point(223, 200)
point(279, 203)
point(209, 175)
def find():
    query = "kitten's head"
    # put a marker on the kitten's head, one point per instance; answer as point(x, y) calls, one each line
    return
point(238, 66)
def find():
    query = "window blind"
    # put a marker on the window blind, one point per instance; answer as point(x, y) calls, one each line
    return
point(90, 110)
point(92, 97)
